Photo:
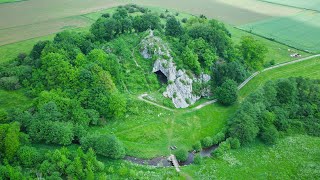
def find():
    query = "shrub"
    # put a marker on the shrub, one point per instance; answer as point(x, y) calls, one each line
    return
point(10, 83)
point(3, 116)
point(181, 155)
point(227, 93)
point(206, 142)
point(197, 159)
point(105, 145)
point(28, 156)
point(218, 138)
point(223, 147)
point(234, 143)
point(197, 147)
point(269, 135)
point(184, 20)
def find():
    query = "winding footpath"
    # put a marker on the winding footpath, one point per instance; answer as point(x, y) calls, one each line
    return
point(163, 161)
point(141, 97)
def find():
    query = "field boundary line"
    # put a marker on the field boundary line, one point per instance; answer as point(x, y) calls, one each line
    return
point(290, 6)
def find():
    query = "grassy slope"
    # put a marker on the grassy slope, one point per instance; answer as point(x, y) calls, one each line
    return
point(309, 68)
point(292, 157)
point(151, 131)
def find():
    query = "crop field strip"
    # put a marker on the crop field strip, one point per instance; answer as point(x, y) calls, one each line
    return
point(35, 18)
point(300, 31)
point(303, 4)
point(10, 1)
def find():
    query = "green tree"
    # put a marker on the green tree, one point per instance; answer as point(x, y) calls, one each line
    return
point(190, 60)
point(253, 52)
point(106, 145)
point(181, 155)
point(173, 27)
point(11, 141)
point(227, 93)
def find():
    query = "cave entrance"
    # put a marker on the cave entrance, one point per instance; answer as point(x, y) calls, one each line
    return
point(161, 77)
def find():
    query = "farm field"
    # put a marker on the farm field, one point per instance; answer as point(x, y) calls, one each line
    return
point(293, 157)
point(305, 4)
point(277, 52)
point(300, 31)
point(34, 18)
point(10, 1)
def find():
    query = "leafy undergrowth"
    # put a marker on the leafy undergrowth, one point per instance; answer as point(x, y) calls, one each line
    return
point(295, 157)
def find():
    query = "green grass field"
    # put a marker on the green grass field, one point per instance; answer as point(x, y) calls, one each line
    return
point(10, 1)
point(304, 4)
point(300, 31)
point(152, 130)
point(13, 99)
point(309, 69)
point(276, 51)
point(294, 157)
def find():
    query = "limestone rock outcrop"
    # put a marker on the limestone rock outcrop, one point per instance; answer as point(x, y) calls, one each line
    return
point(180, 84)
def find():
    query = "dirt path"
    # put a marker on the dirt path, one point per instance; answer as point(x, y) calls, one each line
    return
point(141, 97)
point(255, 74)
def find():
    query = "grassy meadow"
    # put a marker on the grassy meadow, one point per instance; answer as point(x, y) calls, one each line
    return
point(308, 69)
point(148, 131)
point(295, 157)
point(13, 99)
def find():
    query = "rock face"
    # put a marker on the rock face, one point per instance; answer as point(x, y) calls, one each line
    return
point(180, 85)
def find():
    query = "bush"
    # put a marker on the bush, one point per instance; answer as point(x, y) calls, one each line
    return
point(223, 147)
point(269, 135)
point(227, 93)
point(28, 156)
point(197, 147)
point(197, 159)
point(181, 155)
point(105, 145)
point(218, 138)
point(234, 143)
point(206, 142)
point(3, 116)
point(184, 20)
point(10, 83)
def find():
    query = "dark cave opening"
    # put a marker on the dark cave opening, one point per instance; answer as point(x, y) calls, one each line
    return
point(161, 77)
